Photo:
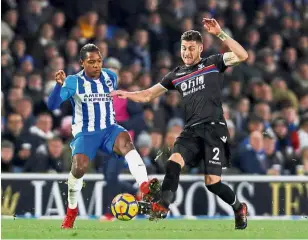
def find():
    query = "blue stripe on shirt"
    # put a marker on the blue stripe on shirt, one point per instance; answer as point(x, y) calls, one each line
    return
point(85, 117)
point(73, 105)
point(107, 104)
point(97, 112)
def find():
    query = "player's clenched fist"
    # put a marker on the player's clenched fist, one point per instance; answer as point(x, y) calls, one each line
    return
point(60, 77)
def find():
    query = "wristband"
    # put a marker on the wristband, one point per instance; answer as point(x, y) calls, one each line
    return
point(223, 36)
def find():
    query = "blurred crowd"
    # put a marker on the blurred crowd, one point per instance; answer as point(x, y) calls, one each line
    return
point(265, 98)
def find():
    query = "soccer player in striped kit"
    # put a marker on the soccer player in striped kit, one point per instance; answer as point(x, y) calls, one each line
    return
point(94, 126)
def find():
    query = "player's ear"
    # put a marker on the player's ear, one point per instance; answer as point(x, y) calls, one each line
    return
point(81, 63)
point(201, 48)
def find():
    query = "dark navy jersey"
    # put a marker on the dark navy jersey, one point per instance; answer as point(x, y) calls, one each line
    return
point(201, 88)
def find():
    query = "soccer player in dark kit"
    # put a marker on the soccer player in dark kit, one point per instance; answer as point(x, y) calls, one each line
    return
point(205, 136)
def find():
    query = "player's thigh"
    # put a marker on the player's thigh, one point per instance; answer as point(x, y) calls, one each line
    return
point(86, 145)
point(115, 137)
point(187, 149)
point(216, 151)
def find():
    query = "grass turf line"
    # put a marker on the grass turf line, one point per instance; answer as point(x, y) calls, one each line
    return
point(94, 229)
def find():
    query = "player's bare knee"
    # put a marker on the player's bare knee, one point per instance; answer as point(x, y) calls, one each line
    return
point(211, 179)
point(123, 144)
point(176, 157)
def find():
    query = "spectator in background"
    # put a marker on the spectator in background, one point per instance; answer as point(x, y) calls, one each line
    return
point(171, 107)
point(302, 46)
point(9, 25)
point(42, 130)
point(263, 111)
point(303, 103)
point(22, 141)
point(139, 48)
point(234, 93)
point(276, 44)
point(46, 36)
point(19, 81)
point(103, 47)
point(27, 65)
point(71, 51)
point(32, 18)
point(35, 87)
point(48, 158)
point(284, 143)
point(14, 95)
point(241, 113)
point(144, 145)
point(58, 23)
point(18, 50)
point(282, 92)
point(100, 33)
point(7, 154)
point(249, 68)
point(289, 59)
point(119, 47)
point(158, 37)
point(24, 107)
point(165, 152)
point(303, 132)
point(304, 159)
point(300, 77)
point(87, 24)
point(252, 159)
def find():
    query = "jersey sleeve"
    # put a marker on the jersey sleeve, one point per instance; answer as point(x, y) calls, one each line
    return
point(218, 60)
point(166, 82)
point(68, 88)
point(113, 76)
point(62, 93)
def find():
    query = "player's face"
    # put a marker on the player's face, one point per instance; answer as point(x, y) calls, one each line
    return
point(190, 52)
point(93, 64)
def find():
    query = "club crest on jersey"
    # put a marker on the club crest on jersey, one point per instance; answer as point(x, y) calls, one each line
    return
point(200, 66)
point(108, 82)
point(184, 86)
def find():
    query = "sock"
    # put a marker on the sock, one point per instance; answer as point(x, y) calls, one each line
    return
point(225, 193)
point(170, 183)
point(136, 166)
point(74, 187)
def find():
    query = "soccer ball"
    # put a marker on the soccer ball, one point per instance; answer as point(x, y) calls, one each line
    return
point(124, 207)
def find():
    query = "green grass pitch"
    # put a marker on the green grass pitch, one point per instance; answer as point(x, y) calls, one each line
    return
point(144, 229)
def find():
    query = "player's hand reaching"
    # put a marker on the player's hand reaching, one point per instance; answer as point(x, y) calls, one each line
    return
point(211, 25)
point(119, 93)
point(60, 77)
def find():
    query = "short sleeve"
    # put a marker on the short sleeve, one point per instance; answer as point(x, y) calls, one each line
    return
point(218, 60)
point(166, 82)
point(113, 76)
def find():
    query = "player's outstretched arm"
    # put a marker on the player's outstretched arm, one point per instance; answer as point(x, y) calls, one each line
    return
point(60, 92)
point(146, 95)
point(238, 54)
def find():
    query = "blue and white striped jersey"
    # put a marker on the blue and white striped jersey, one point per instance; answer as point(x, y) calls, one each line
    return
point(92, 104)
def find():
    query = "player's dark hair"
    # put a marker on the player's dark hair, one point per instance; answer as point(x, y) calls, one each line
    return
point(192, 35)
point(90, 47)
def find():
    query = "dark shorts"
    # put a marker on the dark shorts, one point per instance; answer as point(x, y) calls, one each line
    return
point(207, 142)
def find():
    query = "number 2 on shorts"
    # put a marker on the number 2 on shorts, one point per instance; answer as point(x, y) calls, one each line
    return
point(216, 151)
